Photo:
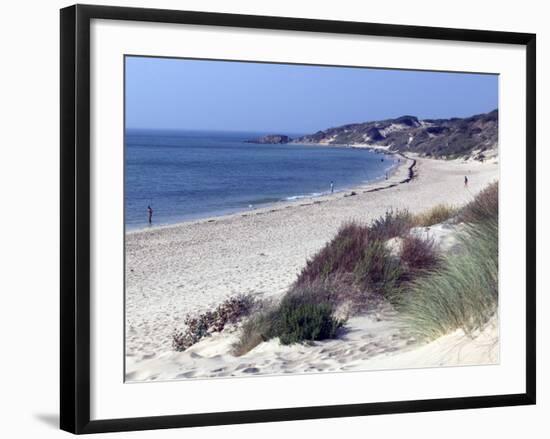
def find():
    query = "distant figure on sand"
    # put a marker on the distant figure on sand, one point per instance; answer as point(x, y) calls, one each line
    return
point(331, 187)
point(150, 214)
point(465, 181)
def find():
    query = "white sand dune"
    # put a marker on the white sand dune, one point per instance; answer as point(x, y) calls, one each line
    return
point(374, 341)
point(175, 270)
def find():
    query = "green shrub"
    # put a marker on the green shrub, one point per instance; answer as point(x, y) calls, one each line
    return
point(304, 314)
point(300, 320)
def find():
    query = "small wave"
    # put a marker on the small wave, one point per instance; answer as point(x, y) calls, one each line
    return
point(299, 197)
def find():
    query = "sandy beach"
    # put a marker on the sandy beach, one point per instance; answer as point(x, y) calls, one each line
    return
point(175, 270)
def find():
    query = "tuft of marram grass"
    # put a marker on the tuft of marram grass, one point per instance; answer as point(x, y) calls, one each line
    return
point(394, 223)
point(377, 270)
point(356, 261)
point(483, 207)
point(255, 330)
point(418, 254)
point(463, 293)
point(338, 256)
point(435, 215)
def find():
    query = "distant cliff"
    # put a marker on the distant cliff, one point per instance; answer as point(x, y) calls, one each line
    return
point(475, 136)
point(272, 138)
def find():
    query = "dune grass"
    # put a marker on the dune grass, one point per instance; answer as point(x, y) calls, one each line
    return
point(483, 207)
point(338, 256)
point(435, 293)
point(463, 292)
point(418, 255)
point(394, 223)
point(435, 215)
point(255, 330)
point(351, 268)
point(357, 261)
point(377, 271)
point(357, 257)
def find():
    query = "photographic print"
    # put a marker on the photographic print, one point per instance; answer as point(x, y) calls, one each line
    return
point(295, 219)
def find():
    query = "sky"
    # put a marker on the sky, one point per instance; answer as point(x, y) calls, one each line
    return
point(180, 94)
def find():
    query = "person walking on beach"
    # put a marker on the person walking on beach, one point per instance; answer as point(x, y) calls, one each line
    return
point(331, 187)
point(150, 214)
point(465, 181)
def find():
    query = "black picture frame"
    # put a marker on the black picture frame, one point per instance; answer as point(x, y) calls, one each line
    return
point(75, 218)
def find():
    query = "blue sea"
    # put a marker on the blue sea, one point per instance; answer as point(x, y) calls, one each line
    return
point(190, 175)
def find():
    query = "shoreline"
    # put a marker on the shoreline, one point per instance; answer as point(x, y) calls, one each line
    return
point(175, 270)
point(396, 175)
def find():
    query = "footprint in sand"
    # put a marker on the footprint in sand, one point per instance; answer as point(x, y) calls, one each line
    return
point(320, 366)
point(189, 374)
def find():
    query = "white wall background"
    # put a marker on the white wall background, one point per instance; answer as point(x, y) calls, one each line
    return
point(29, 206)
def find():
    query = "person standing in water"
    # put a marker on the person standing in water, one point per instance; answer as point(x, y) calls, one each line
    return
point(465, 181)
point(331, 187)
point(150, 214)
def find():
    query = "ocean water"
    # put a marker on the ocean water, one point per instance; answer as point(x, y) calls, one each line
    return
point(190, 175)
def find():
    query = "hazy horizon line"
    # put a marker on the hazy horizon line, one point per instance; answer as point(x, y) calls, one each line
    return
point(285, 131)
